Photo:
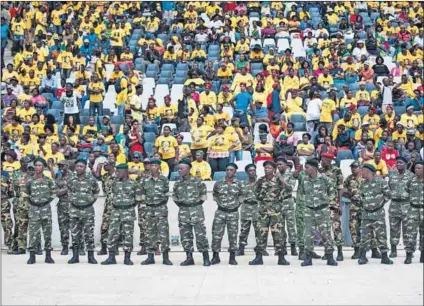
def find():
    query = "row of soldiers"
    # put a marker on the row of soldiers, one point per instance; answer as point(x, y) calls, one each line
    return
point(266, 204)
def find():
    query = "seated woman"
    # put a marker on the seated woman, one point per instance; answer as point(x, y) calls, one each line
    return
point(219, 149)
point(327, 147)
point(264, 150)
point(368, 153)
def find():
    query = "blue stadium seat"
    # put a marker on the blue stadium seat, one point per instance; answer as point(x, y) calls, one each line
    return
point(48, 96)
point(297, 118)
point(149, 137)
point(175, 176)
point(181, 74)
point(242, 176)
point(149, 149)
point(343, 154)
point(182, 66)
point(84, 121)
point(57, 105)
point(150, 128)
point(363, 110)
point(152, 67)
point(56, 114)
point(151, 74)
point(168, 67)
point(117, 120)
point(219, 175)
point(399, 110)
point(299, 126)
point(179, 80)
point(165, 74)
point(163, 80)
point(84, 112)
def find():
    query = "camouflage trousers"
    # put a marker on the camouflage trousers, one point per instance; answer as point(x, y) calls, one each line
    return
point(355, 220)
point(121, 221)
point(398, 217)
point(379, 227)
point(157, 228)
point(104, 229)
point(7, 222)
point(336, 226)
point(82, 225)
point(245, 229)
point(21, 218)
point(40, 219)
point(223, 219)
point(300, 222)
point(288, 220)
point(414, 222)
point(267, 222)
point(63, 219)
point(142, 211)
point(189, 219)
point(319, 219)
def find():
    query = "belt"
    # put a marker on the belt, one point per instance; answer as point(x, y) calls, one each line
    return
point(157, 205)
point(287, 197)
point(251, 202)
point(318, 207)
point(82, 206)
point(42, 204)
point(125, 206)
point(228, 210)
point(416, 206)
point(180, 204)
point(399, 200)
point(374, 210)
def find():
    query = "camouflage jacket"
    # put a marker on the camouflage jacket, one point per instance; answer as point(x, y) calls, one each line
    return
point(300, 195)
point(62, 182)
point(83, 191)
point(126, 193)
point(107, 184)
point(397, 184)
point(189, 191)
point(287, 192)
point(228, 195)
point(40, 191)
point(374, 196)
point(319, 191)
point(268, 194)
point(335, 174)
point(249, 209)
point(415, 188)
point(19, 184)
point(353, 188)
point(154, 191)
point(6, 187)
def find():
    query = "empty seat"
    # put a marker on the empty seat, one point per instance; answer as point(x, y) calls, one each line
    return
point(163, 80)
point(150, 128)
point(343, 154)
point(117, 120)
point(219, 175)
point(399, 110)
point(57, 105)
point(168, 67)
point(242, 176)
point(297, 118)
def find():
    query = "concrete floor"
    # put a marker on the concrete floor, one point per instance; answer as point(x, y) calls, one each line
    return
point(83, 284)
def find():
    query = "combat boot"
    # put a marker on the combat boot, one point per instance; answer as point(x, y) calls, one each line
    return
point(375, 253)
point(150, 259)
point(232, 260)
point(408, 259)
point(331, 261)
point(64, 250)
point(355, 253)
point(293, 250)
point(75, 256)
point(38, 250)
point(110, 260)
point(265, 253)
point(49, 258)
point(20, 252)
point(281, 260)
point(362, 257)
point(385, 260)
point(189, 260)
point(165, 258)
point(82, 251)
point(315, 255)
point(91, 259)
point(422, 257)
point(206, 261)
point(103, 250)
point(393, 253)
point(240, 251)
point(31, 259)
point(258, 260)
point(339, 253)
point(301, 253)
point(127, 259)
point(215, 258)
point(308, 260)
point(325, 257)
point(284, 249)
point(142, 251)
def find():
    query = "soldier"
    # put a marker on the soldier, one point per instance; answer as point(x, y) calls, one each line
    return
point(336, 175)
point(83, 192)
point(189, 194)
point(268, 193)
point(155, 194)
point(375, 193)
point(227, 194)
point(399, 207)
point(6, 219)
point(288, 215)
point(352, 186)
point(415, 219)
point(125, 195)
point(142, 211)
point(320, 195)
point(39, 191)
point(249, 210)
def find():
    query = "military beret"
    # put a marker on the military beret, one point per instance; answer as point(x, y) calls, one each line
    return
point(402, 159)
point(40, 160)
point(185, 162)
point(122, 166)
point(369, 167)
point(249, 166)
point(270, 163)
point(82, 161)
point(63, 162)
point(232, 165)
point(312, 162)
point(281, 159)
point(420, 162)
point(328, 155)
point(155, 162)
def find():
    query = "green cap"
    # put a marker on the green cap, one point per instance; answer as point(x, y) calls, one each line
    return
point(82, 161)
point(232, 165)
point(270, 163)
point(283, 137)
point(312, 162)
point(369, 167)
point(122, 166)
point(186, 162)
point(40, 160)
point(263, 135)
point(155, 162)
point(249, 166)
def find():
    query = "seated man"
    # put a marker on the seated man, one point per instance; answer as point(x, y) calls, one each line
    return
point(260, 114)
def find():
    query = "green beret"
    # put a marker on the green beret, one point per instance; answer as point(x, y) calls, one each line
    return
point(402, 159)
point(420, 162)
point(41, 160)
point(283, 137)
point(232, 165)
point(122, 166)
point(186, 162)
point(82, 161)
point(369, 167)
point(281, 159)
point(270, 163)
point(312, 162)
point(249, 166)
point(155, 162)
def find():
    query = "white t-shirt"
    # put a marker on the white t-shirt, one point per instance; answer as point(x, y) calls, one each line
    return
point(70, 103)
point(386, 93)
point(313, 111)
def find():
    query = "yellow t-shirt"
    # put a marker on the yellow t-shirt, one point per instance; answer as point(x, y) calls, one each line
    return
point(168, 111)
point(96, 97)
point(381, 167)
point(220, 143)
point(166, 146)
point(201, 170)
point(199, 135)
point(410, 122)
point(138, 166)
point(327, 107)
point(56, 157)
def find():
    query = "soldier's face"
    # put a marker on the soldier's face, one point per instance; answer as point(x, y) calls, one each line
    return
point(400, 165)
point(251, 172)
point(419, 170)
point(39, 167)
point(80, 168)
point(269, 170)
point(121, 173)
point(154, 168)
point(231, 172)
point(325, 162)
point(183, 170)
point(281, 166)
point(355, 170)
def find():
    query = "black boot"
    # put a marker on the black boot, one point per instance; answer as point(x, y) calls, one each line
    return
point(301, 253)
point(91, 259)
point(240, 251)
point(150, 259)
point(127, 259)
point(422, 257)
point(64, 250)
point(281, 260)
point(257, 260)
point(215, 258)
point(331, 261)
point(103, 250)
point(49, 258)
point(375, 253)
point(325, 257)
point(315, 256)
point(307, 261)
point(293, 249)
point(362, 257)
point(75, 256)
point(232, 260)
point(165, 257)
point(385, 260)
point(206, 261)
point(38, 250)
point(393, 253)
point(117, 251)
point(142, 251)
point(284, 249)
point(31, 259)
point(408, 259)
point(82, 252)
point(355, 253)
point(265, 253)
point(110, 260)
point(20, 252)
point(339, 253)
point(189, 260)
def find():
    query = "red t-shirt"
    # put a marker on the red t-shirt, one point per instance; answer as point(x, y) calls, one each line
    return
point(389, 157)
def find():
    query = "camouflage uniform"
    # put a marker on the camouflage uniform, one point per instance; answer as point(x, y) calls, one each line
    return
point(6, 219)
point(228, 197)
point(319, 195)
point(39, 194)
point(374, 196)
point(142, 217)
point(83, 194)
point(288, 214)
point(268, 193)
point(249, 214)
point(415, 219)
point(336, 175)
point(155, 194)
point(300, 211)
point(189, 195)
point(63, 209)
point(107, 183)
point(399, 207)
point(125, 195)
